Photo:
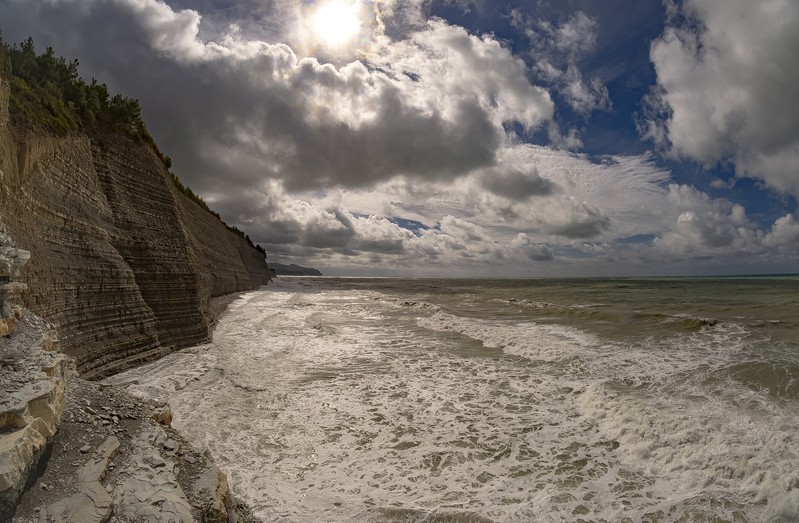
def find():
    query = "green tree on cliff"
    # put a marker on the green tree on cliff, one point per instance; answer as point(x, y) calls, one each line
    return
point(47, 93)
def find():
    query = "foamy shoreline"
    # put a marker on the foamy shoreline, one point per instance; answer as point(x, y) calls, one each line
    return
point(140, 455)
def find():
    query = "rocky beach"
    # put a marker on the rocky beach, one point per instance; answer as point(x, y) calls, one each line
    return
point(83, 451)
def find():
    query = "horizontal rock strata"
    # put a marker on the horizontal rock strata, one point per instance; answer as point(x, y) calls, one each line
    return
point(122, 262)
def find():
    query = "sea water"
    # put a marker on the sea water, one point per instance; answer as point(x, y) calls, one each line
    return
point(329, 399)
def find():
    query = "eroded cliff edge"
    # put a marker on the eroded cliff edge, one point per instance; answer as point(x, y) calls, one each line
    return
point(122, 262)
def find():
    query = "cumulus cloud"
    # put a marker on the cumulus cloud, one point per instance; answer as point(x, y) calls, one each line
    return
point(534, 251)
point(579, 197)
point(446, 59)
point(430, 106)
point(707, 227)
point(318, 228)
point(727, 82)
point(784, 234)
point(458, 241)
point(576, 219)
point(517, 184)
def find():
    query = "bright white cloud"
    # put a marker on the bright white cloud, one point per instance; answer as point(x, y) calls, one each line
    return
point(443, 63)
point(604, 199)
point(706, 227)
point(728, 80)
point(784, 234)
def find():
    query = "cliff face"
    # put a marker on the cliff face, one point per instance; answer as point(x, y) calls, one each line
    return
point(121, 261)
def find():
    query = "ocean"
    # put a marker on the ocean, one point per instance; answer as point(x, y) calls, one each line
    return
point(412, 400)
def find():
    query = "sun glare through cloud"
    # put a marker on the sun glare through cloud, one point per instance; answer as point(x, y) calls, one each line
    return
point(337, 22)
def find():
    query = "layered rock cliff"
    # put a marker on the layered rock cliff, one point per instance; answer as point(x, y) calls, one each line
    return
point(122, 262)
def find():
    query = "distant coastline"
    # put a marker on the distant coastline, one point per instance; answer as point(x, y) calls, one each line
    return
point(293, 270)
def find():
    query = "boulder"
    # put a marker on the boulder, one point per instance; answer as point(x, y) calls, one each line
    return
point(163, 415)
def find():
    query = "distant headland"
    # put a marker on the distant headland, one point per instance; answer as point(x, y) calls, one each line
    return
point(293, 270)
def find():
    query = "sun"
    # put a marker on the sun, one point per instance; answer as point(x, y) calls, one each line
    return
point(336, 22)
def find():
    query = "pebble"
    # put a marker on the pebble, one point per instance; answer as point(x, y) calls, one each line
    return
point(85, 449)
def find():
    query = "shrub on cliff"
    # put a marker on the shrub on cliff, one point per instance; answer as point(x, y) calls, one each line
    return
point(48, 94)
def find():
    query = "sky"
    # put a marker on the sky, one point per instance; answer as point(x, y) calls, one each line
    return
point(466, 137)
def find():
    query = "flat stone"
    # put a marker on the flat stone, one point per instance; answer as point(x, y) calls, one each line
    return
point(157, 462)
point(94, 469)
point(213, 484)
point(150, 490)
point(91, 505)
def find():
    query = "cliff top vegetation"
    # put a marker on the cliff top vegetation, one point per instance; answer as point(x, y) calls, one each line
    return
point(48, 95)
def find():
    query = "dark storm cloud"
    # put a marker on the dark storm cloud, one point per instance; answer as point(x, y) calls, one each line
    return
point(250, 110)
point(517, 185)
point(576, 220)
point(580, 229)
point(400, 140)
point(382, 246)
